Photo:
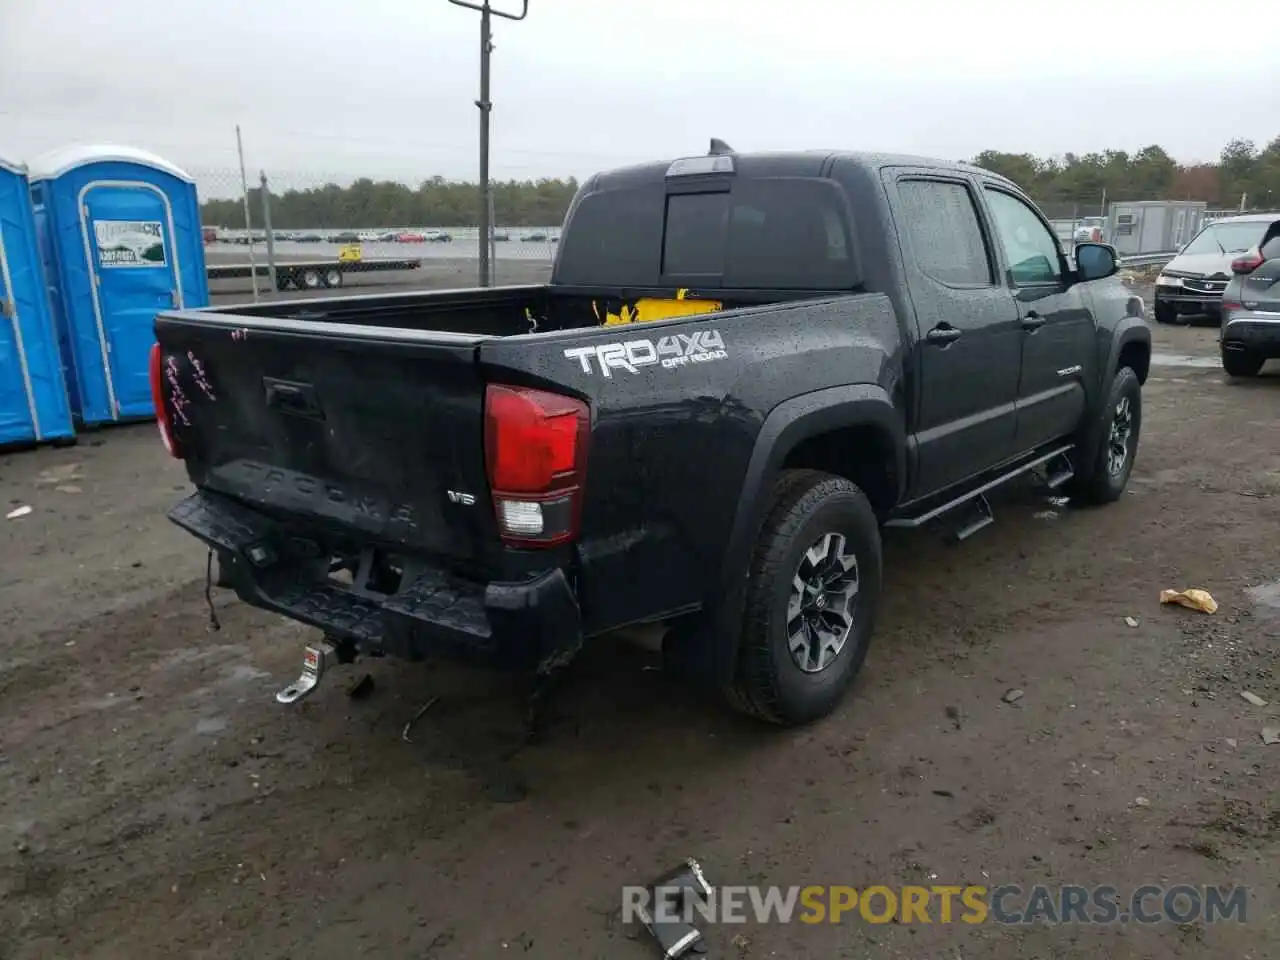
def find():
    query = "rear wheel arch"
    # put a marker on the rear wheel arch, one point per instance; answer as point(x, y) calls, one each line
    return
point(863, 453)
point(805, 432)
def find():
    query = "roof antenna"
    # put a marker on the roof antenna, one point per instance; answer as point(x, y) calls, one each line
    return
point(719, 148)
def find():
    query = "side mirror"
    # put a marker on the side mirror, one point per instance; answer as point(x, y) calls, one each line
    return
point(1095, 261)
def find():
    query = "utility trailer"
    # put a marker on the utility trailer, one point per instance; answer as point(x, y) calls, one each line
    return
point(312, 274)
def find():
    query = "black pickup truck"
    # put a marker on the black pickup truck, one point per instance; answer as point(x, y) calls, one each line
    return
point(744, 366)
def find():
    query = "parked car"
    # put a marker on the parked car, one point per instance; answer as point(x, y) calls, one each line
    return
point(742, 368)
point(1250, 334)
point(1089, 230)
point(501, 236)
point(308, 238)
point(344, 236)
point(409, 236)
point(536, 237)
point(1194, 280)
point(438, 236)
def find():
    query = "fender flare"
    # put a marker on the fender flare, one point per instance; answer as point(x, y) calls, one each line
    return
point(786, 426)
point(1131, 329)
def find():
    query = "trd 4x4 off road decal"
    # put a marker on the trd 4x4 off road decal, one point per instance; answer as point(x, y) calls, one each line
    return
point(677, 350)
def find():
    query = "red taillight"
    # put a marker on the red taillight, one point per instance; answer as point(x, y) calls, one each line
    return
point(535, 446)
point(163, 420)
point(1250, 262)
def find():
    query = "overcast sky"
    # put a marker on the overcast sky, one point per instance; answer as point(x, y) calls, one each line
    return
point(387, 87)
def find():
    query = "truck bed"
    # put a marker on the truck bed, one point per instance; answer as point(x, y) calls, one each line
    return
point(485, 312)
point(364, 417)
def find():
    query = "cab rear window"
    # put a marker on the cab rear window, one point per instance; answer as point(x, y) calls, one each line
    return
point(785, 233)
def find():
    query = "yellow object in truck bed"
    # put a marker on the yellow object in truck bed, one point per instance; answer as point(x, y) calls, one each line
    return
point(656, 308)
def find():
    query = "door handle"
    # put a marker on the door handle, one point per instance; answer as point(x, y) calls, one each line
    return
point(1032, 322)
point(942, 335)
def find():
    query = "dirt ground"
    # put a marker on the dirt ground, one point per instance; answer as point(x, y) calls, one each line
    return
point(155, 801)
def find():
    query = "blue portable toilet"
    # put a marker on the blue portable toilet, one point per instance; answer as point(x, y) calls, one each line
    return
point(33, 396)
point(120, 236)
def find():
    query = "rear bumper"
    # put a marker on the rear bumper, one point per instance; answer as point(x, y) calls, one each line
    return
point(1255, 331)
point(520, 626)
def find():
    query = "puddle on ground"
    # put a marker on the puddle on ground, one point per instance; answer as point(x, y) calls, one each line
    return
point(208, 726)
point(1184, 360)
point(1266, 596)
point(243, 673)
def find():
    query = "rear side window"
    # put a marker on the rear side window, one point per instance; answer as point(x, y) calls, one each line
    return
point(766, 233)
point(946, 235)
point(1271, 245)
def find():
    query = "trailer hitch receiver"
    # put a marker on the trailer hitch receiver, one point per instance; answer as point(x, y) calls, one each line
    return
point(315, 658)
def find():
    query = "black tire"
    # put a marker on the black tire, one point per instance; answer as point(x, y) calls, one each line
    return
point(1242, 363)
point(1166, 312)
point(310, 279)
point(282, 281)
point(1099, 482)
point(769, 683)
point(333, 278)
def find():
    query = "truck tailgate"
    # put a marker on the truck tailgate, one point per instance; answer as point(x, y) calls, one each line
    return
point(374, 433)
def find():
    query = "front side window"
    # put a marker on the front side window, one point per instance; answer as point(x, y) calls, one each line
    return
point(1031, 249)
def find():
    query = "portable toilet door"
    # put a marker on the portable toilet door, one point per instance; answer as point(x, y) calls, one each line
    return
point(33, 396)
point(124, 237)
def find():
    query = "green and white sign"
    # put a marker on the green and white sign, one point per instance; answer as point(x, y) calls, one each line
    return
point(130, 243)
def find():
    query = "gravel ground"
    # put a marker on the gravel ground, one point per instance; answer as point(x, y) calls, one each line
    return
point(155, 801)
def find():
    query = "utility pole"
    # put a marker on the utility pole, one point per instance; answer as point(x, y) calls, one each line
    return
point(266, 225)
point(248, 220)
point(486, 47)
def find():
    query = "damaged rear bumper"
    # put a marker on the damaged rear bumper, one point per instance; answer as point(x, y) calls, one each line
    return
point(520, 626)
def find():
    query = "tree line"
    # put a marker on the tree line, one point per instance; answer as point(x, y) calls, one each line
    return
point(1242, 171)
point(366, 203)
point(1068, 185)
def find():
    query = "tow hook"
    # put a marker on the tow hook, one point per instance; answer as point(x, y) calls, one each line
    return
point(315, 658)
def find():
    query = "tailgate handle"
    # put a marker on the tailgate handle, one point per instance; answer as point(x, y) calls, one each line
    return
point(297, 398)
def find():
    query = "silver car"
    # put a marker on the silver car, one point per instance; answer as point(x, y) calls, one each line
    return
point(1195, 279)
point(1251, 308)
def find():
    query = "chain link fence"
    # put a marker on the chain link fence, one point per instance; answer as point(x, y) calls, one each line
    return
point(273, 232)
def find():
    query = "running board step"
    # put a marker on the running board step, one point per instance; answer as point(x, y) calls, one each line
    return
point(976, 516)
point(956, 503)
point(1058, 471)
